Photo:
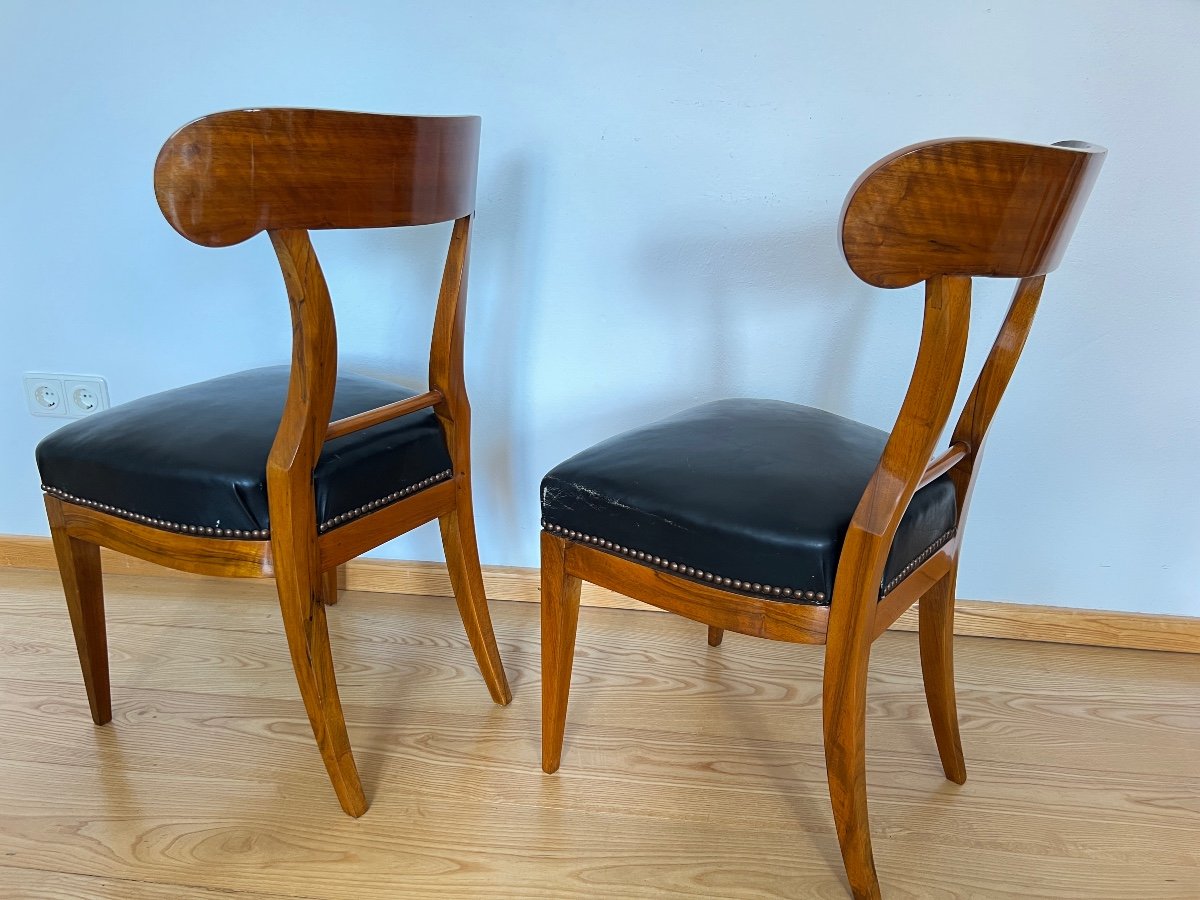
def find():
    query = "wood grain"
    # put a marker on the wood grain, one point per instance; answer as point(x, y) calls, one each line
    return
point(703, 778)
point(969, 207)
point(228, 176)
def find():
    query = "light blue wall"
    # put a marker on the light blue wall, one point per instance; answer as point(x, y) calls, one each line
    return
point(659, 191)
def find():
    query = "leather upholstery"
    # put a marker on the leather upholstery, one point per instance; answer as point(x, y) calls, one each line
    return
point(760, 492)
point(197, 455)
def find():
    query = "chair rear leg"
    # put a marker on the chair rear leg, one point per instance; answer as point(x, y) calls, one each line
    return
point(329, 586)
point(715, 636)
point(79, 568)
point(462, 561)
point(936, 630)
point(844, 709)
point(560, 620)
point(300, 601)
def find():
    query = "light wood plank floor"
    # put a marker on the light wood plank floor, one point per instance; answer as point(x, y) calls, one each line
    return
point(688, 771)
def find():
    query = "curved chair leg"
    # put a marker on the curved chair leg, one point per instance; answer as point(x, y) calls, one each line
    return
point(936, 629)
point(462, 561)
point(329, 586)
point(844, 708)
point(715, 635)
point(560, 620)
point(308, 640)
point(79, 568)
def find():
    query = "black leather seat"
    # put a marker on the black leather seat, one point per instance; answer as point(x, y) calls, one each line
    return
point(194, 459)
point(755, 495)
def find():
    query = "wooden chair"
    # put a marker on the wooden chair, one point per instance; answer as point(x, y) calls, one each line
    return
point(287, 472)
point(790, 523)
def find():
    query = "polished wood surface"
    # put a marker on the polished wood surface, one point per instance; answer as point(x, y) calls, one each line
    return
point(228, 176)
point(221, 180)
point(292, 502)
point(381, 414)
point(79, 566)
point(208, 787)
point(181, 552)
point(944, 463)
point(967, 207)
point(923, 415)
point(939, 212)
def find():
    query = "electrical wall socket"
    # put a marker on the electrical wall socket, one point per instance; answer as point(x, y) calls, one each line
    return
point(64, 396)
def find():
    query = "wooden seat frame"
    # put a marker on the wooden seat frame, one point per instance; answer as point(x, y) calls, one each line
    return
point(939, 212)
point(219, 181)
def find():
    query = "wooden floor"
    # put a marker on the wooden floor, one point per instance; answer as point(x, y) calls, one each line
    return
point(688, 771)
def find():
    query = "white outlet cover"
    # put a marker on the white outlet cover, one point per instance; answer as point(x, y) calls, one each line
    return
point(84, 395)
point(64, 396)
point(45, 394)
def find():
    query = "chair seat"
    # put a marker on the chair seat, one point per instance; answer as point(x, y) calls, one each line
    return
point(194, 459)
point(753, 495)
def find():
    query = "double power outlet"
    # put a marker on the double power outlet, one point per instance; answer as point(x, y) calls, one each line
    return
point(64, 396)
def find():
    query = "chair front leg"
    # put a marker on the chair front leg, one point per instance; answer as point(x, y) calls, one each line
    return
point(300, 601)
point(560, 620)
point(79, 568)
point(466, 577)
point(936, 630)
point(844, 709)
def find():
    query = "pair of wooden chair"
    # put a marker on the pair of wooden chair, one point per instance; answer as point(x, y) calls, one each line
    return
point(762, 517)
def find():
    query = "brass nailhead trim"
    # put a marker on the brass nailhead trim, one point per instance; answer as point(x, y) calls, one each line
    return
point(383, 501)
point(204, 530)
point(690, 571)
point(755, 587)
point(243, 534)
point(916, 563)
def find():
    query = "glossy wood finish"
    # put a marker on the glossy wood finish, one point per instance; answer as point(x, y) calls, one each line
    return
point(182, 552)
point(967, 207)
point(937, 671)
point(939, 212)
point(560, 620)
point(381, 414)
point(225, 177)
point(292, 502)
point(922, 416)
point(79, 566)
point(219, 181)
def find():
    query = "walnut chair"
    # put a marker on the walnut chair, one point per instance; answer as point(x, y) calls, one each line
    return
point(791, 523)
point(287, 471)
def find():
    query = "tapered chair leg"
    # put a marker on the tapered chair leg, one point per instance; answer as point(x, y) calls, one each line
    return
point(329, 586)
point(936, 629)
point(560, 620)
point(308, 640)
point(715, 635)
point(462, 561)
point(844, 709)
point(79, 568)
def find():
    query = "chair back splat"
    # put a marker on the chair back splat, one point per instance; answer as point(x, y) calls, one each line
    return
point(791, 523)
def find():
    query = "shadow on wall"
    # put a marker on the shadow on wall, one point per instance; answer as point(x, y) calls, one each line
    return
point(508, 251)
point(808, 313)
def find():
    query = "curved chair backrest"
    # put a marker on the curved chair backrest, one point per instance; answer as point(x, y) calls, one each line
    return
point(225, 177)
point(942, 212)
point(966, 206)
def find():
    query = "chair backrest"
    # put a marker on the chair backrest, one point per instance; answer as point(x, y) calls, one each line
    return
point(942, 212)
point(966, 207)
point(225, 177)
